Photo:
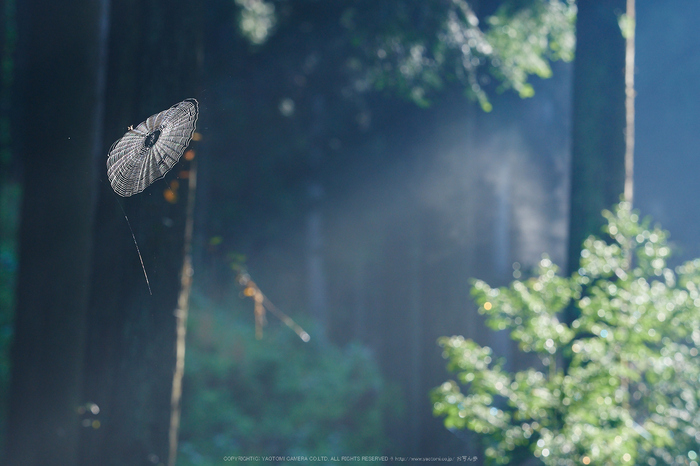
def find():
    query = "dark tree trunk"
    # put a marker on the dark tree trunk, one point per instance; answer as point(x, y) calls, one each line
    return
point(598, 154)
point(132, 335)
point(57, 78)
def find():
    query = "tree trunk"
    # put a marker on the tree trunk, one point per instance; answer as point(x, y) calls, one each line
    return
point(131, 354)
point(598, 154)
point(58, 78)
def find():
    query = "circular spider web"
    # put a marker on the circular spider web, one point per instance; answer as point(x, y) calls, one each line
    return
point(146, 153)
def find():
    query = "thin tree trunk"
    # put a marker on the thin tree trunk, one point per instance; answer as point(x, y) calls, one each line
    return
point(629, 34)
point(181, 316)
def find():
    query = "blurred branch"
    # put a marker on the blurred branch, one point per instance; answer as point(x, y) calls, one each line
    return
point(251, 290)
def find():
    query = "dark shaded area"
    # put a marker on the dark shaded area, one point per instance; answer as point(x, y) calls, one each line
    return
point(94, 353)
point(151, 139)
point(58, 83)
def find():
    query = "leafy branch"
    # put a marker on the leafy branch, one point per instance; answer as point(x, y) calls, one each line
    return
point(630, 391)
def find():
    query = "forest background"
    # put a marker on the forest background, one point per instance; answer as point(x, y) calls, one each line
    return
point(359, 205)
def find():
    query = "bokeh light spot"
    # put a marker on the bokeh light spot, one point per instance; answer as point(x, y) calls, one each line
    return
point(170, 196)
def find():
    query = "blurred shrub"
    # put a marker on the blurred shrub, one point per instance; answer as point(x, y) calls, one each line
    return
point(276, 396)
point(620, 385)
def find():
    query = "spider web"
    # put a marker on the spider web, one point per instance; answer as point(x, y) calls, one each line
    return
point(135, 161)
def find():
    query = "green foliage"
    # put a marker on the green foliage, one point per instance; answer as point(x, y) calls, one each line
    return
point(277, 396)
point(256, 20)
point(627, 26)
point(417, 46)
point(629, 391)
point(525, 40)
